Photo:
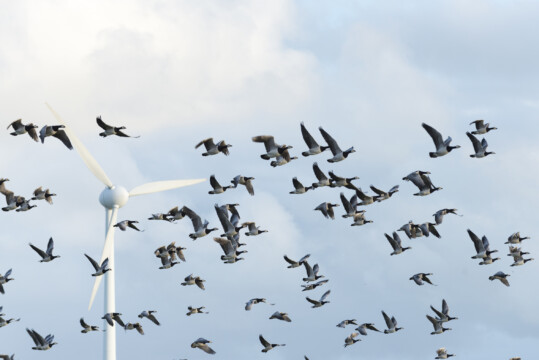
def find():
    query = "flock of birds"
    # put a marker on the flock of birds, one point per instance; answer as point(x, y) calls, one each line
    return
point(229, 218)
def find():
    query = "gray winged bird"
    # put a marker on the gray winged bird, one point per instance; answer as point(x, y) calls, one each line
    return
point(321, 302)
point(349, 205)
point(40, 194)
point(345, 323)
point(327, 209)
point(359, 219)
point(443, 316)
point(500, 275)
point(283, 159)
point(87, 328)
point(442, 354)
point(111, 130)
point(481, 127)
point(4, 279)
point(201, 229)
point(443, 147)
point(253, 229)
point(294, 264)
point(338, 154)
point(123, 225)
point(391, 324)
point(366, 326)
point(7, 357)
point(438, 327)
point(249, 304)
point(111, 317)
point(350, 340)
point(322, 178)
point(212, 149)
point(194, 280)
point(428, 228)
point(480, 147)
point(40, 342)
point(196, 310)
point(439, 215)
point(396, 244)
point(312, 272)
point(338, 181)
point(423, 182)
point(420, 278)
point(217, 188)
point(46, 256)
point(202, 344)
point(99, 269)
point(57, 132)
point(21, 129)
point(149, 314)
point(298, 187)
point(382, 195)
point(280, 316)
point(314, 148)
point(137, 326)
point(313, 286)
point(273, 150)
point(267, 345)
point(515, 238)
point(246, 181)
point(482, 247)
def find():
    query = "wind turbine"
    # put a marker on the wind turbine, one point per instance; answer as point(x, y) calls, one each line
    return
point(113, 198)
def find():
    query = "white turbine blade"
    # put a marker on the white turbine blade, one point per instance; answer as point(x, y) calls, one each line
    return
point(88, 159)
point(157, 186)
point(109, 243)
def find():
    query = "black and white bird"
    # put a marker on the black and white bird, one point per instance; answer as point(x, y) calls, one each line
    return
point(160, 216)
point(249, 304)
point(298, 187)
point(480, 147)
point(21, 129)
point(283, 159)
point(423, 182)
point(482, 246)
point(111, 130)
point(365, 199)
point(359, 219)
point(421, 278)
point(443, 316)
point(351, 340)
point(391, 324)
point(439, 215)
point(4, 279)
point(443, 147)
point(345, 323)
point(167, 262)
point(273, 150)
point(202, 344)
point(322, 178)
point(516, 251)
point(57, 132)
point(429, 228)
point(99, 269)
point(87, 328)
point(321, 302)
point(123, 225)
point(46, 256)
point(212, 148)
point(481, 127)
point(349, 205)
point(314, 148)
point(366, 326)
point(110, 318)
point(245, 181)
point(40, 194)
point(200, 229)
point(253, 229)
point(312, 272)
point(382, 195)
point(217, 188)
point(4, 322)
point(40, 342)
point(280, 316)
point(194, 280)
point(338, 154)
point(438, 327)
point(411, 230)
point(175, 214)
point(134, 326)
point(500, 275)
point(7, 357)
point(313, 286)
point(338, 181)
point(267, 345)
point(519, 260)
point(515, 238)
point(327, 209)
point(230, 248)
point(195, 310)
point(396, 244)
point(442, 354)
point(293, 263)
point(25, 206)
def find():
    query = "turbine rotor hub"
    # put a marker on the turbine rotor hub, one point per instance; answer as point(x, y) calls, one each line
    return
point(116, 196)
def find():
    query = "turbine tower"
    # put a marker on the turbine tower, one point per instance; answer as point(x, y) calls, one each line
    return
point(113, 198)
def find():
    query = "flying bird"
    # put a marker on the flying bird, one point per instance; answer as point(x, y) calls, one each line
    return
point(196, 310)
point(57, 132)
point(481, 127)
point(366, 326)
point(480, 147)
point(194, 280)
point(40, 342)
point(382, 195)
point(201, 229)
point(253, 229)
point(312, 272)
point(314, 148)
point(327, 209)
point(294, 264)
point(246, 181)
point(267, 345)
point(21, 129)
point(137, 326)
point(40, 194)
point(4, 279)
point(283, 159)
point(443, 316)
point(272, 149)
point(46, 256)
point(111, 130)
point(338, 154)
point(202, 344)
point(321, 302)
point(87, 328)
point(438, 327)
point(439, 215)
point(396, 244)
point(212, 149)
point(420, 278)
point(391, 324)
point(443, 147)
point(280, 316)
point(123, 225)
point(442, 354)
point(111, 317)
point(423, 182)
point(217, 188)
point(345, 323)
point(500, 276)
point(313, 286)
point(322, 178)
point(298, 187)
point(99, 269)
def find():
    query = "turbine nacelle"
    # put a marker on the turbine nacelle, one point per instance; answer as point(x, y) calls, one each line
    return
point(116, 196)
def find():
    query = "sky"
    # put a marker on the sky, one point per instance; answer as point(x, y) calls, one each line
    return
point(177, 72)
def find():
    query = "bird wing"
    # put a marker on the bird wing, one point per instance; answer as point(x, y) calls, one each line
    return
point(392, 242)
point(326, 294)
point(297, 184)
point(478, 124)
point(249, 186)
point(335, 177)
point(132, 225)
point(438, 313)
point(314, 302)
point(304, 258)
point(223, 218)
point(309, 140)
point(484, 143)
point(434, 322)
point(116, 317)
point(33, 134)
point(445, 307)
point(389, 323)
point(346, 204)
point(361, 195)
point(478, 244)
point(476, 144)
point(17, 124)
point(378, 191)
point(206, 348)
point(318, 173)
point(288, 260)
point(50, 246)
point(214, 183)
point(83, 324)
point(210, 143)
point(334, 147)
point(62, 136)
point(268, 140)
point(371, 327)
point(323, 208)
point(104, 264)
point(308, 268)
point(38, 250)
point(226, 245)
point(434, 134)
point(263, 341)
point(93, 262)
point(32, 334)
point(195, 219)
point(153, 318)
point(102, 124)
